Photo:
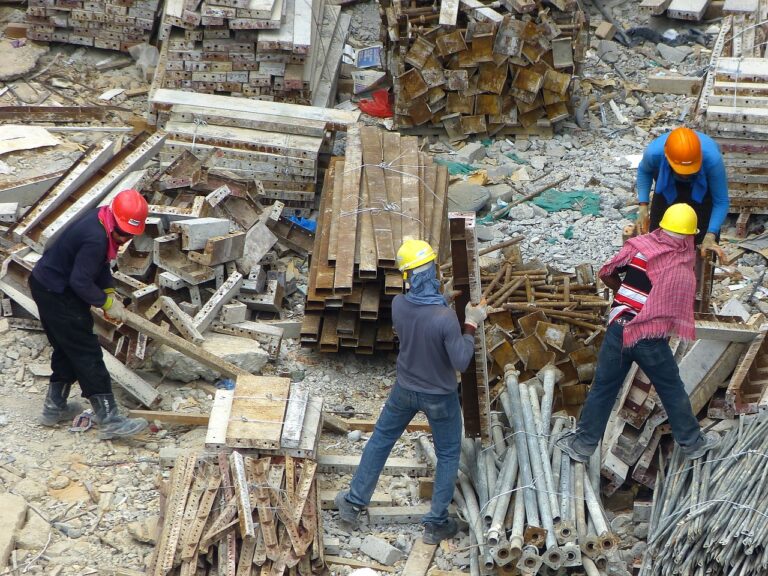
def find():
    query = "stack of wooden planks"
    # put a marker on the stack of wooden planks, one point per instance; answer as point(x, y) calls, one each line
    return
point(240, 514)
point(110, 24)
point(281, 50)
point(382, 192)
point(275, 143)
point(471, 69)
point(733, 107)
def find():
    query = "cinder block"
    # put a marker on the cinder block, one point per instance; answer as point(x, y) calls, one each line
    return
point(234, 313)
point(380, 550)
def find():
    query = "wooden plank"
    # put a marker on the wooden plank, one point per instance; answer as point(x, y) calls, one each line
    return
point(176, 418)
point(338, 119)
point(339, 561)
point(368, 425)
point(366, 246)
point(409, 146)
point(377, 195)
point(347, 219)
point(327, 498)
point(419, 558)
point(294, 417)
point(251, 120)
point(393, 179)
point(258, 412)
point(311, 429)
point(345, 464)
point(216, 437)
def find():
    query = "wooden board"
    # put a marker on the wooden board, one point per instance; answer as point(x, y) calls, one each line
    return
point(419, 558)
point(258, 411)
point(348, 213)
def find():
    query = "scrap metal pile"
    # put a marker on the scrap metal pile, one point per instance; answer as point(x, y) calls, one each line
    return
point(709, 517)
point(283, 50)
point(383, 191)
point(110, 24)
point(240, 514)
point(473, 69)
point(732, 108)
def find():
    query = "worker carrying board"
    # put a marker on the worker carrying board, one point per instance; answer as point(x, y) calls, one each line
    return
point(433, 347)
point(73, 275)
point(688, 168)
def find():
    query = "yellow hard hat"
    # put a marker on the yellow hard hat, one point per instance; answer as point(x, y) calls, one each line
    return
point(681, 219)
point(414, 253)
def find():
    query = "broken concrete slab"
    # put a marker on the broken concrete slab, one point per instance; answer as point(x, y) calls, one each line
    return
point(673, 54)
point(19, 58)
point(608, 51)
point(471, 153)
point(380, 550)
point(242, 352)
point(258, 241)
point(35, 533)
point(467, 197)
point(13, 513)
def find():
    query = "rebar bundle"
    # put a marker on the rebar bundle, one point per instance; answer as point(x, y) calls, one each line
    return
point(710, 516)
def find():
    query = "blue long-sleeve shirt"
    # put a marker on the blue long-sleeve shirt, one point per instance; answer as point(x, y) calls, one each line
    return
point(712, 166)
point(432, 347)
point(78, 260)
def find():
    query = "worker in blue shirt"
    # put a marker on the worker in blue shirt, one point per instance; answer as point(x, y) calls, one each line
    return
point(688, 168)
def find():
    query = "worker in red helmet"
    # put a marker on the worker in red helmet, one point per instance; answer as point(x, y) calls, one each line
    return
point(72, 276)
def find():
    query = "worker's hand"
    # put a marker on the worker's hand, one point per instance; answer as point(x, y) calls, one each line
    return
point(710, 243)
point(643, 219)
point(475, 314)
point(114, 308)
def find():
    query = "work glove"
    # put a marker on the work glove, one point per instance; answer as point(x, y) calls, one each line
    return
point(475, 314)
point(113, 307)
point(643, 219)
point(710, 243)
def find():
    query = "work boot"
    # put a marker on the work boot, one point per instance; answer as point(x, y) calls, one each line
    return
point(565, 443)
point(349, 514)
point(436, 533)
point(711, 440)
point(111, 423)
point(55, 406)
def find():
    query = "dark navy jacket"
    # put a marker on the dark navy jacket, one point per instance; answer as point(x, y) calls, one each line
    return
point(77, 260)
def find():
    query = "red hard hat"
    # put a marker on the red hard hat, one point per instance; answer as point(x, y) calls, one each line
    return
point(130, 210)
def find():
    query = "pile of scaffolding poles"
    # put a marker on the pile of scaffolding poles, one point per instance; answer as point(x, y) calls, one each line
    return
point(529, 508)
point(710, 516)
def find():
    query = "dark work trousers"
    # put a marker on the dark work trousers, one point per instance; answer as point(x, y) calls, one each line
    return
point(77, 355)
point(703, 210)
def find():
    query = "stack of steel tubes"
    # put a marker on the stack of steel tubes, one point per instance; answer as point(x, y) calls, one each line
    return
point(711, 516)
point(529, 508)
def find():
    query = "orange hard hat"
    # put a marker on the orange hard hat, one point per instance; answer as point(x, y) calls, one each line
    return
point(683, 151)
point(130, 210)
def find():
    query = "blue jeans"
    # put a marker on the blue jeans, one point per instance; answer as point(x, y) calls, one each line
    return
point(654, 357)
point(444, 415)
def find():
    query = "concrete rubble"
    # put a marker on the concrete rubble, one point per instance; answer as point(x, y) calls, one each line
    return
point(71, 505)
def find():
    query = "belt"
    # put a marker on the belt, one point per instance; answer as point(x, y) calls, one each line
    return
point(624, 319)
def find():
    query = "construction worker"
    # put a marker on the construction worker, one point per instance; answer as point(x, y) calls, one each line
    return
point(653, 301)
point(687, 167)
point(433, 347)
point(73, 275)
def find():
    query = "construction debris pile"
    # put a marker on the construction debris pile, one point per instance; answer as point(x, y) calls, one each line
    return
point(282, 50)
point(110, 24)
point(383, 191)
point(471, 69)
point(708, 516)
point(733, 109)
point(272, 148)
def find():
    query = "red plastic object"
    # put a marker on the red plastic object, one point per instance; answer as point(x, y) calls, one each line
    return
point(379, 106)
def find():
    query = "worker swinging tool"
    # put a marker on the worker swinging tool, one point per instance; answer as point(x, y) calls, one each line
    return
point(73, 275)
point(433, 347)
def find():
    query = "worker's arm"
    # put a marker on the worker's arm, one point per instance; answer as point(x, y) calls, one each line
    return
point(460, 346)
point(646, 172)
point(717, 185)
point(86, 269)
point(610, 271)
point(104, 279)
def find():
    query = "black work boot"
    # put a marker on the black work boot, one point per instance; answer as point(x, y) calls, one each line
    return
point(111, 423)
point(436, 533)
point(55, 407)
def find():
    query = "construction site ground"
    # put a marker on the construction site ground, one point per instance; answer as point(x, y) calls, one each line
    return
point(95, 502)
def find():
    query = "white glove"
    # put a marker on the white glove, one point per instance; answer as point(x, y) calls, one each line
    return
point(116, 310)
point(474, 315)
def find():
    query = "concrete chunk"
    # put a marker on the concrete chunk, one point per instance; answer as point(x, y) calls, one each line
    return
point(380, 550)
point(13, 513)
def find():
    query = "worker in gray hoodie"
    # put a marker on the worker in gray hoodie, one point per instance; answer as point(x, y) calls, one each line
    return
point(433, 348)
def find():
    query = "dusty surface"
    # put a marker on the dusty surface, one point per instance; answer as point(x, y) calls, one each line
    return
point(19, 57)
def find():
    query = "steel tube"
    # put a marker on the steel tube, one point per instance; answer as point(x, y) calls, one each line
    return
point(503, 496)
point(548, 380)
point(546, 465)
point(514, 411)
point(581, 520)
point(497, 434)
point(518, 525)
